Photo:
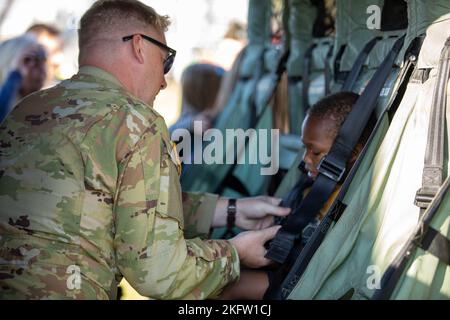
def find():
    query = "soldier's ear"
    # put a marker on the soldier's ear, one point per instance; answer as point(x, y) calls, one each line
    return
point(138, 49)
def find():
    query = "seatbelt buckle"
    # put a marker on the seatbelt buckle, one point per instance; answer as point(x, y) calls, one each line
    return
point(330, 169)
point(280, 247)
point(424, 197)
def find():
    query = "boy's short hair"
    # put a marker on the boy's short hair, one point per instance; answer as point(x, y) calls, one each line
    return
point(335, 108)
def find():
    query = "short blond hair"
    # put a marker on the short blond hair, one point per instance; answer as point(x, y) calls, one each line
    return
point(107, 15)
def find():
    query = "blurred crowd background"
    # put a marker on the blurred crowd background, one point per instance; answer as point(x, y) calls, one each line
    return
point(202, 31)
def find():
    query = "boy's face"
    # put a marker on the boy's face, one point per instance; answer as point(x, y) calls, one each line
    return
point(318, 140)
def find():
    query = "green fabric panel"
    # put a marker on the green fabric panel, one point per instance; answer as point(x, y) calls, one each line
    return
point(207, 178)
point(317, 77)
point(296, 108)
point(422, 14)
point(351, 28)
point(271, 57)
point(381, 213)
point(385, 93)
point(286, 16)
point(259, 33)
point(302, 17)
point(316, 87)
point(301, 21)
point(258, 22)
point(335, 86)
point(319, 56)
point(290, 179)
point(250, 175)
point(426, 277)
point(382, 49)
point(289, 151)
point(437, 33)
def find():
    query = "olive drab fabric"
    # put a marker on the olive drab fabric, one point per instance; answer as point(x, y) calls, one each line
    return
point(380, 214)
point(90, 193)
point(426, 277)
point(301, 22)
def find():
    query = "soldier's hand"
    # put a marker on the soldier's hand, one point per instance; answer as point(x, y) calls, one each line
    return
point(250, 246)
point(259, 212)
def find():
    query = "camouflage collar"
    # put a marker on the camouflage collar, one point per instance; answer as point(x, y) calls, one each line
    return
point(101, 74)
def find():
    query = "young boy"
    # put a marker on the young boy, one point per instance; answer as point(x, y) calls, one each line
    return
point(319, 130)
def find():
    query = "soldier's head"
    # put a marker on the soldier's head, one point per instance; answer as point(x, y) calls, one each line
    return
point(126, 38)
point(321, 127)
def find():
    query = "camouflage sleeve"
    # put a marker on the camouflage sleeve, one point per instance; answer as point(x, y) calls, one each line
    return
point(151, 250)
point(198, 211)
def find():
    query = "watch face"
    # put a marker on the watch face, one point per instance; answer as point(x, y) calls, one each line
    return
point(231, 206)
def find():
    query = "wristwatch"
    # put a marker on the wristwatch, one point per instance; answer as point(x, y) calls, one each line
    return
point(231, 213)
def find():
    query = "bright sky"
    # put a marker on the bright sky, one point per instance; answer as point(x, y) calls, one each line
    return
point(195, 23)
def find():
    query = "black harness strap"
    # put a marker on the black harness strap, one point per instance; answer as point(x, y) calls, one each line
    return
point(306, 75)
point(338, 74)
point(437, 244)
point(327, 71)
point(358, 65)
point(333, 166)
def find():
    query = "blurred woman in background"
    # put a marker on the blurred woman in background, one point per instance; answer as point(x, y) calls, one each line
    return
point(200, 84)
point(22, 70)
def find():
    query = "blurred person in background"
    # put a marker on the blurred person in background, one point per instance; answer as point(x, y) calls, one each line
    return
point(50, 38)
point(200, 84)
point(22, 70)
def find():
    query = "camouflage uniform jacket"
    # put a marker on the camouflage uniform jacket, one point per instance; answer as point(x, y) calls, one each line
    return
point(90, 193)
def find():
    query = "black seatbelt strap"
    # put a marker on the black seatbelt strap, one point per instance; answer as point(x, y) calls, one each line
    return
point(333, 166)
point(358, 65)
point(424, 237)
point(307, 65)
point(432, 176)
point(327, 71)
point(437, 244)
point(337, 63)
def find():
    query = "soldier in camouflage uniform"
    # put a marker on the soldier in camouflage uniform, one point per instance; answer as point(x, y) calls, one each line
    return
point(89, 186)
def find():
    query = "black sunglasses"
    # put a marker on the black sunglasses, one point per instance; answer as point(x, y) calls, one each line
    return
point(168, 62)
